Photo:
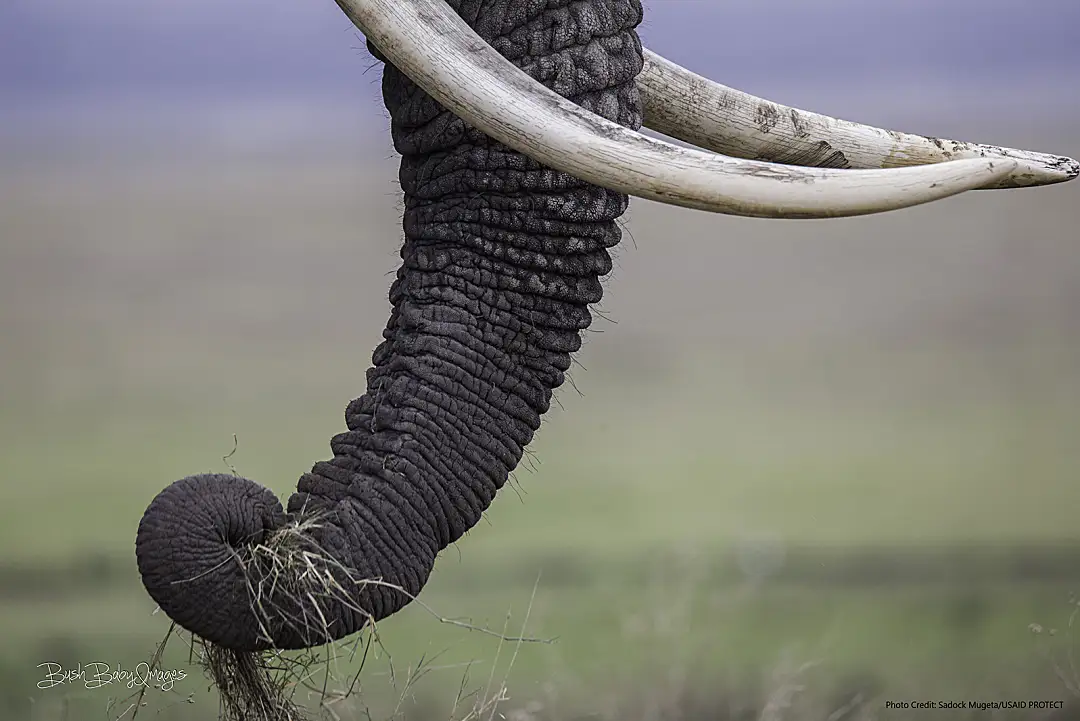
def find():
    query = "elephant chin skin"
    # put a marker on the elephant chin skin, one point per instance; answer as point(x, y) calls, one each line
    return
point(196, 553)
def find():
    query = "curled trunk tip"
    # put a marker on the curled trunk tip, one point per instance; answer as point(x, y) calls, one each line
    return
point(221, 557)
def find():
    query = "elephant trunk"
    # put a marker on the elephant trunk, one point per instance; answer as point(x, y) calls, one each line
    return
point(502, 257)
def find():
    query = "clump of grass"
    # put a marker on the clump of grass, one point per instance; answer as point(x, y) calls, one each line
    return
point(294, 585)
point(292, 581)
point(248, 687)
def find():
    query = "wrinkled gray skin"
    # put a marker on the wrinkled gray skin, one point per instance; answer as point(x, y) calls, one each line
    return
point(502, 258)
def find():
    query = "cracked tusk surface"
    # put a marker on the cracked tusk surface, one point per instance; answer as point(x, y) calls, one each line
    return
point(694, 109)
point(432, 45)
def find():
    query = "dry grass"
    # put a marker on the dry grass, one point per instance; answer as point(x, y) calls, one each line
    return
point(1062, 656)
point(798, 685)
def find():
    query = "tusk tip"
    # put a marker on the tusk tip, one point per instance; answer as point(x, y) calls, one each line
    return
point(1069, 168)
point(1037, 169)
point(1055, 169)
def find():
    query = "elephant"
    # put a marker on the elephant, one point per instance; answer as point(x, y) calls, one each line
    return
point(518, 125)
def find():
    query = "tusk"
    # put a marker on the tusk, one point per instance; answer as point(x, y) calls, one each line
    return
point(702, 112)
point(433, 46)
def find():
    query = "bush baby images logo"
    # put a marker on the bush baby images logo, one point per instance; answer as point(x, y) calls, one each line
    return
point(98, 674)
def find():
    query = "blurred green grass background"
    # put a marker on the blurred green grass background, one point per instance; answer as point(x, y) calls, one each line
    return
point(850, 444)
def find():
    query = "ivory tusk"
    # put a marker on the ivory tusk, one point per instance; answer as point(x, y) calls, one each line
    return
point(433, 46)
point(692, 108)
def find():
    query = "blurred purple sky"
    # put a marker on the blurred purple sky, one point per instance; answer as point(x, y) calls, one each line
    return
point(135, 63)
